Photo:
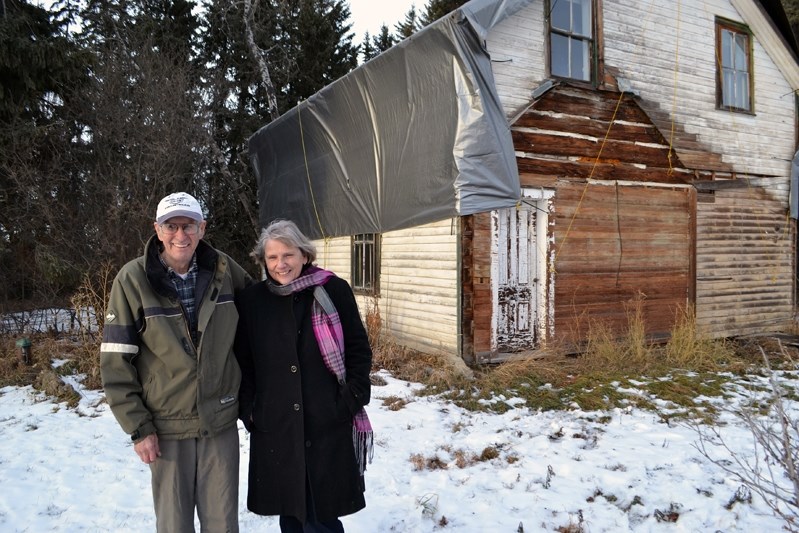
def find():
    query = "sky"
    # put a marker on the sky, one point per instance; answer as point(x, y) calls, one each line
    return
point(74, 470)
point(370, 15)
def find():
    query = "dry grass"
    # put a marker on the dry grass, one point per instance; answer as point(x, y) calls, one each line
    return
point(680, 370)
point(689, 348)
point(405, 363)
point(39, 372)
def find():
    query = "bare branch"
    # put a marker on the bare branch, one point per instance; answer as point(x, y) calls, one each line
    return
point(258, 56)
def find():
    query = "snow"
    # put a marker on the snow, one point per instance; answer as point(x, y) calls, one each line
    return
point(627, 469)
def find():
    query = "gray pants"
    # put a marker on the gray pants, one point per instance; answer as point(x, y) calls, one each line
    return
point(201, 473)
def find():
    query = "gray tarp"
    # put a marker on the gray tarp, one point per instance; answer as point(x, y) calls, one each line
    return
point(416, 135)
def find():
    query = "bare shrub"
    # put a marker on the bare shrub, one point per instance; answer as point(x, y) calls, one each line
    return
point(92, 296)
point(374, 323)
point(772, 471)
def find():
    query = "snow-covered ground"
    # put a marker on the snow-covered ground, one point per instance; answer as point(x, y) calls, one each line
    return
point(622, 470)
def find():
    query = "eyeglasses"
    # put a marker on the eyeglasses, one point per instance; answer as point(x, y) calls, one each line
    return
point(189, 229)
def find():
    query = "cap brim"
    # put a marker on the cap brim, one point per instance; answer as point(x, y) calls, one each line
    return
point(179, 213)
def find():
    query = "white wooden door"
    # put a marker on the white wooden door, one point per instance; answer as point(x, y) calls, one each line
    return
point(518, 273)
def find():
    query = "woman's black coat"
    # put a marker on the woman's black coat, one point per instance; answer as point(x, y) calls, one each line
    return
point(299, 417)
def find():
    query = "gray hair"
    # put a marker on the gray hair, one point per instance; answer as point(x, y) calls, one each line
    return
point(289, 234)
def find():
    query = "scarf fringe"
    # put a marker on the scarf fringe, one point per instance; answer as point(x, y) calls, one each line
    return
point(364, 447)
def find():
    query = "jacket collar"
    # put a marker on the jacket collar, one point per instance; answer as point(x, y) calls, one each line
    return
point(157, 276)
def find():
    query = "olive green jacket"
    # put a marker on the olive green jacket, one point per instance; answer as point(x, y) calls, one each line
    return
point(156, 379)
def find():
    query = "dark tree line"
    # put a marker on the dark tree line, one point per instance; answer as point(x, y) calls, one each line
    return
point(108, 105)
point(373, 45)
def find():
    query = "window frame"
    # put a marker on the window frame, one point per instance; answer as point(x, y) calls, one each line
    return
point(359, 270)
point(736, 28)
point(594, 43)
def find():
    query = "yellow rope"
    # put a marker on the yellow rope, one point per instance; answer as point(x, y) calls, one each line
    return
point(308, 173)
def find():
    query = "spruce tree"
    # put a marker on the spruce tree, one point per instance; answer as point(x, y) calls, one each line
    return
point(40, 69)
point(438, 8)
point(409, 25)
point(383, 40)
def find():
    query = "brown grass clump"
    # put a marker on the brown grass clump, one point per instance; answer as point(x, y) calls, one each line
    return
point(13, 372)
point(547, 366)
point(394, 403)
point(411, 365)
point(606, 350)
point(39, 372)
point(688, 348)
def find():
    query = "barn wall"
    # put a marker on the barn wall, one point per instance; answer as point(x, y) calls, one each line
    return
point(418, 301)
point(615, 244)
point(745, 281)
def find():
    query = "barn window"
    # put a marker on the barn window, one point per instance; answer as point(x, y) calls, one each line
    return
point(572, 45)
point(366, 263)
point(734, 81)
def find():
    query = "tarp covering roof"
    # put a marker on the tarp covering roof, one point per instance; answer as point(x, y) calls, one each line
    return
point(416, 135)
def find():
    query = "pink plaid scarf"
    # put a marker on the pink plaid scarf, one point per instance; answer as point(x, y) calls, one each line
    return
point(330, 338)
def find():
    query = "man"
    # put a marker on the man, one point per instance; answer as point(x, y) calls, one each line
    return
point(169, 372)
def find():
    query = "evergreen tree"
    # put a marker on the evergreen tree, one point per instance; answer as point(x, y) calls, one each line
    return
point(40, 69)
point(383, 40)
point(438, 8)
point(792, 10)
point(142, 133)
point(410, 25)
point(367, 48)
point(323, 47)
point(235, 105)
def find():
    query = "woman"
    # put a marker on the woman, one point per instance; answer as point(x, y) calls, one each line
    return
point(305, 361)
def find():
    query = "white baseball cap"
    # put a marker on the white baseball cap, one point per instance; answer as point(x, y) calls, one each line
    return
point(179, 204)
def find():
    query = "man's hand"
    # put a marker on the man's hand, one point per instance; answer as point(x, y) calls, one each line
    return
point(147, 449)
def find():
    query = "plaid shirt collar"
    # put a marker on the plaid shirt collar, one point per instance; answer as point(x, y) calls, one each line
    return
point(190, 275)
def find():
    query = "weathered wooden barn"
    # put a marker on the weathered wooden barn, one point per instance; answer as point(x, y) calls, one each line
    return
point(653, 143)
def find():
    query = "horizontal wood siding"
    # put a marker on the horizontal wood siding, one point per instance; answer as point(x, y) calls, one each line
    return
point(745, 265)
point(518, 53)
point(419, 287)
point(614, 244)
point(418, 300)
point(334, 255)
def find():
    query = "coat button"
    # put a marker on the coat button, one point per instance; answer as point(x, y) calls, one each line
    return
point(296, 407)
point(307, 444)
point(293, 368)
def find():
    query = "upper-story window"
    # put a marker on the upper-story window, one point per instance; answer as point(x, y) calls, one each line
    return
point(366, 263)
point(734, 80)
point(572, 42)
